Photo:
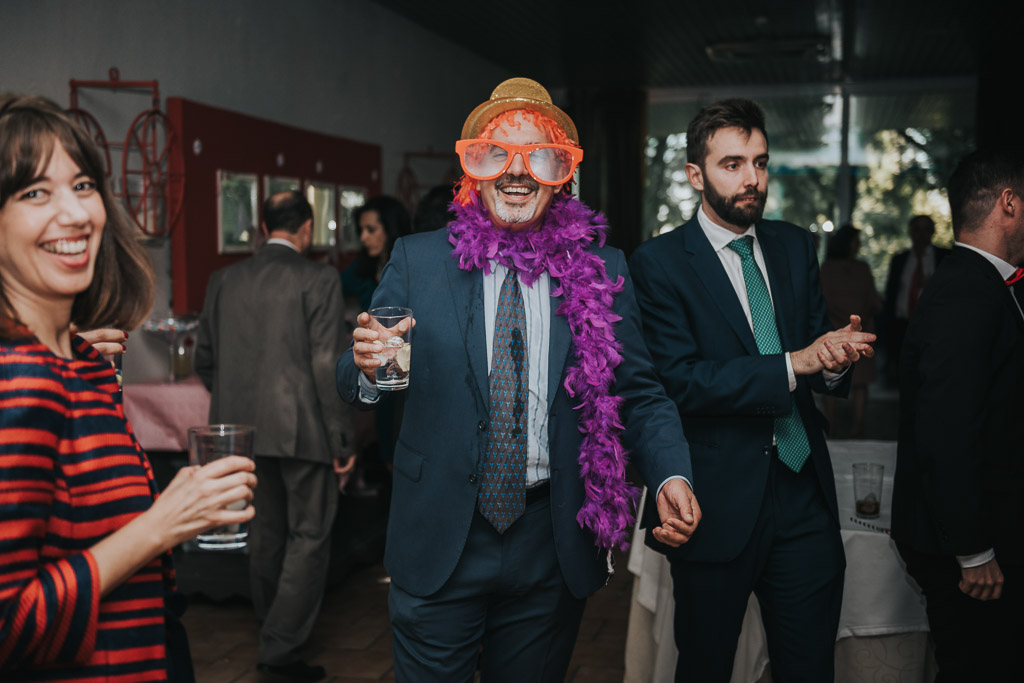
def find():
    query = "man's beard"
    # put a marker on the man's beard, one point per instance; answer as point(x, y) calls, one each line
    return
point(728, 211)
point(516, 213)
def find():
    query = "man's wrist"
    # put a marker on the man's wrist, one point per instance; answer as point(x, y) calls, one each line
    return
point(668, 479)
point(969, 561)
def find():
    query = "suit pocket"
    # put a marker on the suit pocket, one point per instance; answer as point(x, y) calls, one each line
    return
point(408, 462)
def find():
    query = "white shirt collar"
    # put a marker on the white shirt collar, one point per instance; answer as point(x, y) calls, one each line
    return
point(1005, 269)
point(719, 236)
point(283, 243)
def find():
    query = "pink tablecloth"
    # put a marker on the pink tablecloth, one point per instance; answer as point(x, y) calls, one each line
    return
point(161, 413)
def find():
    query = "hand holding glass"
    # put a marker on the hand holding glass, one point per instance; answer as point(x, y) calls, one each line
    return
point(209, 443)
point(396, 339)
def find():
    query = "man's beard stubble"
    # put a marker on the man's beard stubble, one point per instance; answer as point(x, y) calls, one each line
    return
point(727, 209)
point(518, 213)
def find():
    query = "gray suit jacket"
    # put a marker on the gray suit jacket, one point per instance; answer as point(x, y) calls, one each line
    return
point(270, 334)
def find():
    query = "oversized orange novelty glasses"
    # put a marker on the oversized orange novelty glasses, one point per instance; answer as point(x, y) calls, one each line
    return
point(549, 164)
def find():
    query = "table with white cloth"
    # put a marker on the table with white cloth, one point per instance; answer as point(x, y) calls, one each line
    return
point(161, 412)
point(883, 629)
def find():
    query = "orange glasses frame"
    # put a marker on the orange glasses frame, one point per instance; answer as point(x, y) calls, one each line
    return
point(523, 151)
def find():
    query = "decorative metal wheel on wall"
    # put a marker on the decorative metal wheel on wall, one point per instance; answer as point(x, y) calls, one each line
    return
point(152, 194)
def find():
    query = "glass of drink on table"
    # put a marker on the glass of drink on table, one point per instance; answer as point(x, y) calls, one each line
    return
point(867, 489)
point(393, 372)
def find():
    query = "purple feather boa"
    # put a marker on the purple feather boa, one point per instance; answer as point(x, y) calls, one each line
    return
point(560, 247)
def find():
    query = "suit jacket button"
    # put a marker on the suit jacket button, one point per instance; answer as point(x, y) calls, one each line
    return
point(472, 477)
point(481, 426)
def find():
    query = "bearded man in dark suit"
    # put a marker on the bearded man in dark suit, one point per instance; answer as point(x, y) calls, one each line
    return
point(958, 496)
point(735, 321)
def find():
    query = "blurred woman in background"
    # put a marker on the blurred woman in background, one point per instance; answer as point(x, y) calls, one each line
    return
point(380, 221)
point(86, 584)
point(849, 288)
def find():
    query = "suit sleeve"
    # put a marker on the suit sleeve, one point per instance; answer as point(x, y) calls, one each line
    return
point(326, 322)
point(393, 290)
point(955, 370)
point(653, 431)
point(203, 358)
point(700, 386)
point(49, 608)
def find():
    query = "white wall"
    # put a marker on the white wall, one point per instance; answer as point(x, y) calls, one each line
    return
point(342, 67)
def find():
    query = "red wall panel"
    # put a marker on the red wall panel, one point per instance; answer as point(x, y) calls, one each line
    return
point(236, 142)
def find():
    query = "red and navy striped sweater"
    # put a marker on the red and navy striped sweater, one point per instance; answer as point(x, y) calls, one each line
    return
point(71, 473)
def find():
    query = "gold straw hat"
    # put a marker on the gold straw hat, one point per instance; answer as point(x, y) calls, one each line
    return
point(517, 93)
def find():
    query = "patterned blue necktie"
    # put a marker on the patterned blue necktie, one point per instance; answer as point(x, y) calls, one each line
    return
point(790, 435)
point(503, 482)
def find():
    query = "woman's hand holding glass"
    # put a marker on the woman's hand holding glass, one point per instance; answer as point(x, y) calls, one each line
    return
point(198, 498)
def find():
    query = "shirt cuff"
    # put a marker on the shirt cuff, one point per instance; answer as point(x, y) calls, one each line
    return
point(832, 379)
point(790, 373)
point(368, 391)
point(677, 476)
point(968, 561)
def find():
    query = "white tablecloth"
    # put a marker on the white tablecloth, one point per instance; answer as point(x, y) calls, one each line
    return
point(882, 626)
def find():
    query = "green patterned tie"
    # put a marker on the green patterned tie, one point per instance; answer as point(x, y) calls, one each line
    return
point(790, 435)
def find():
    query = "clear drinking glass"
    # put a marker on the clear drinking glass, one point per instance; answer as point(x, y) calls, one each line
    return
point(867, 489)
point(206, 444)
point(393, 373)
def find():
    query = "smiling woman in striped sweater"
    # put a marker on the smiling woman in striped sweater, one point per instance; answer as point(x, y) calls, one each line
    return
point(86, 583)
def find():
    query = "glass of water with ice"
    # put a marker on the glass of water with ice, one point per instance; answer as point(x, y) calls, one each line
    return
point(393, 372)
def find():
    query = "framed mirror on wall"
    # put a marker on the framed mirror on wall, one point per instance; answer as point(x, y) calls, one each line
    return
point(323, 198)
point(274, 184)
point(237, 212)
point(349, 199)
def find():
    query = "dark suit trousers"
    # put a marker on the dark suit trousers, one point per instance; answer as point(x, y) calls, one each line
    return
point(506, 594)
point(974, 640)
point(289, 550)
point(794, 563)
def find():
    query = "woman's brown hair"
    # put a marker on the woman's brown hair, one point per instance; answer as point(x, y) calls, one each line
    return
point(121, 292)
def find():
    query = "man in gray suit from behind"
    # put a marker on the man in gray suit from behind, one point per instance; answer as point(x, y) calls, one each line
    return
point(270, 334)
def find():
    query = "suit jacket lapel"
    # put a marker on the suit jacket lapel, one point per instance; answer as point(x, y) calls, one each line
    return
point(467, 288)
point(776, 262)
point(709, 268)
point(558, 348)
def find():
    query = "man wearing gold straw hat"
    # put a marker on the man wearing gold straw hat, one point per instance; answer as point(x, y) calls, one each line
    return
point(530, 384)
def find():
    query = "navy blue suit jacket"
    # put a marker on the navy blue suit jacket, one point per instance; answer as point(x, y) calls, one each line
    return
point(443, 434)
point(727, 393)
point(959, 486)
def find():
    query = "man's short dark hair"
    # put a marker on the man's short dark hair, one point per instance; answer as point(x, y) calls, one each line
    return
point(733, 113)
point(286, 211)
point(977, 181)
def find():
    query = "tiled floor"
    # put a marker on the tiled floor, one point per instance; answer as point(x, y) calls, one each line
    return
point(352, 639)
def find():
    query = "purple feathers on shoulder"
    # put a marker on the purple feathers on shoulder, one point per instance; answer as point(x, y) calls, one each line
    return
point(560, 247)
